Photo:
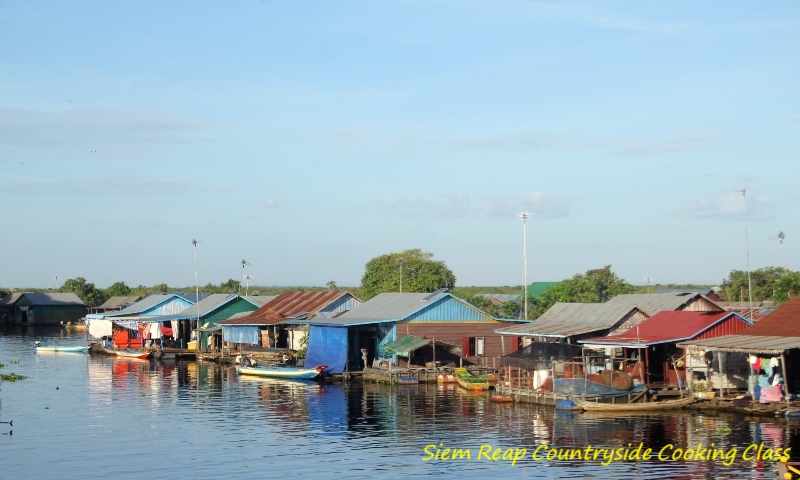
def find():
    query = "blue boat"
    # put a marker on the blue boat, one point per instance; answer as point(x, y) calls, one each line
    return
point(77, 349)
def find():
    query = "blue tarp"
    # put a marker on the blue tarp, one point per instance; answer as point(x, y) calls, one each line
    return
point(327, 346)
point(582, 386)
point(242, 334)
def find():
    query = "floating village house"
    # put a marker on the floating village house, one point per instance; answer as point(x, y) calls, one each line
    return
point(370, 332)
point(126, 321)
point(41, 308)
point(772, 349)
point(270, 326)
point(651, 345)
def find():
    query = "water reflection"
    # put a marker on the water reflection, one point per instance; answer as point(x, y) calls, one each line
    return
point(202, 420)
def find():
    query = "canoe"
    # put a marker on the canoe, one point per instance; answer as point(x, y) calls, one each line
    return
point(470, 382)
point(77, 349)
point(591, 406)
point(128, 352)
point(282, 372)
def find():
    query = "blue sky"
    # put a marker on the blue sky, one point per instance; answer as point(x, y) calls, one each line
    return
point(308, 137)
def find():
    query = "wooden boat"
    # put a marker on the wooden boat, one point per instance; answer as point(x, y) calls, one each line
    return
point(592, 406)
point(75, 349)
point(501, 399)
point(470, 382)
point(282, 372)
point(128, 352)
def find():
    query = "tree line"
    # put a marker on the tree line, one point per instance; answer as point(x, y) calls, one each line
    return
point(415, 270)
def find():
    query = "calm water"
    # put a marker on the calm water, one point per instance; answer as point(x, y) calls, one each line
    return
point(82, 416)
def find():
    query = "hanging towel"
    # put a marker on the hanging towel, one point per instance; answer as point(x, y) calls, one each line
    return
point(773, 362)
point(757, 364)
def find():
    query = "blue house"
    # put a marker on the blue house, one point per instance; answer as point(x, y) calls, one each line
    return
point(343, 341)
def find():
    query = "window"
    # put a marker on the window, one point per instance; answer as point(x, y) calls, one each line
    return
point(472, 346)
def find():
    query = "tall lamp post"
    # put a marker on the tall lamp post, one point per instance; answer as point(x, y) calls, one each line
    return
point(197, 287)
point(524, 216)
point(747, 251)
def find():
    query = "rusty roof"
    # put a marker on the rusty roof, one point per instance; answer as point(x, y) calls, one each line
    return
point(288, 305)
point(667, 326)
point(784, 321)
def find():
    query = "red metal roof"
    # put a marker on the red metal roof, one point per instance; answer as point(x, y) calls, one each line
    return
point(286, 305)
point(783, 322)
point(672, 326)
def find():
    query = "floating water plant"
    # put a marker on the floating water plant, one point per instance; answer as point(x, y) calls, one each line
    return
point(12, 377)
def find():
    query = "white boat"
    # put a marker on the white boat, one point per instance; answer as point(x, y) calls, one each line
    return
point(282, 372)
point(76, 349)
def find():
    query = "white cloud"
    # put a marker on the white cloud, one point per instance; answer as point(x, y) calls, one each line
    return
point(731, 206)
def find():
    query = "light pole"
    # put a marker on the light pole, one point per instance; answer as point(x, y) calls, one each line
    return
point(780, 236)
point(197, 285)
point(747, 251)
point(524, 216)
point(244, 262)
point(401, 261)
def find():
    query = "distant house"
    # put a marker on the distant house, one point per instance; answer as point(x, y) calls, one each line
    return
point(536, 289)
point(648, 351)
point(115, 304)
point(343, 341)
point(269, 326)
point(41, 308)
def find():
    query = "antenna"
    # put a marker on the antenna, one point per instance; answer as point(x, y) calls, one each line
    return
point(244, 263)
point(648, 280)
point(247, 279)
point(780, 236)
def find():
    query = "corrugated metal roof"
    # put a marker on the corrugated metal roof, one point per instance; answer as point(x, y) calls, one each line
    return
point(783, 321)
point(51, 299)
point(10, 299)
point(385, 307)
point(500, 297)
point(145, 304)
point(119, 301)
point(569, 319)
point(288, 305)
point(259, 300)
point(652, 303)
point(667, 326)
point(205, 306)
point(737, 342)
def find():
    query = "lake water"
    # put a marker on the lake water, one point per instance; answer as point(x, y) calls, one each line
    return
point(83, 416)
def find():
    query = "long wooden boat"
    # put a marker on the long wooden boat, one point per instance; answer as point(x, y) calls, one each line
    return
point(128, 353)
point(592, 406)
point(470, 382)
point(283, 372)
point(74, 349)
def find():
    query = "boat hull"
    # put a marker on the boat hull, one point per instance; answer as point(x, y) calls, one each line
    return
point(280, 372)
point(470, 382)
point(64, 349)
point(590, 406)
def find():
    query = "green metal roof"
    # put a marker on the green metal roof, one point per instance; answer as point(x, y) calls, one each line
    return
point(536, 289)
point(405, 345)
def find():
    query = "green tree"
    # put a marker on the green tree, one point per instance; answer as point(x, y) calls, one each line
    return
point(736, 288)
point(503, 310)
point(84, 290)
point(595, 286)
point(407, 271)
point(786, 287)
point(118, 289)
